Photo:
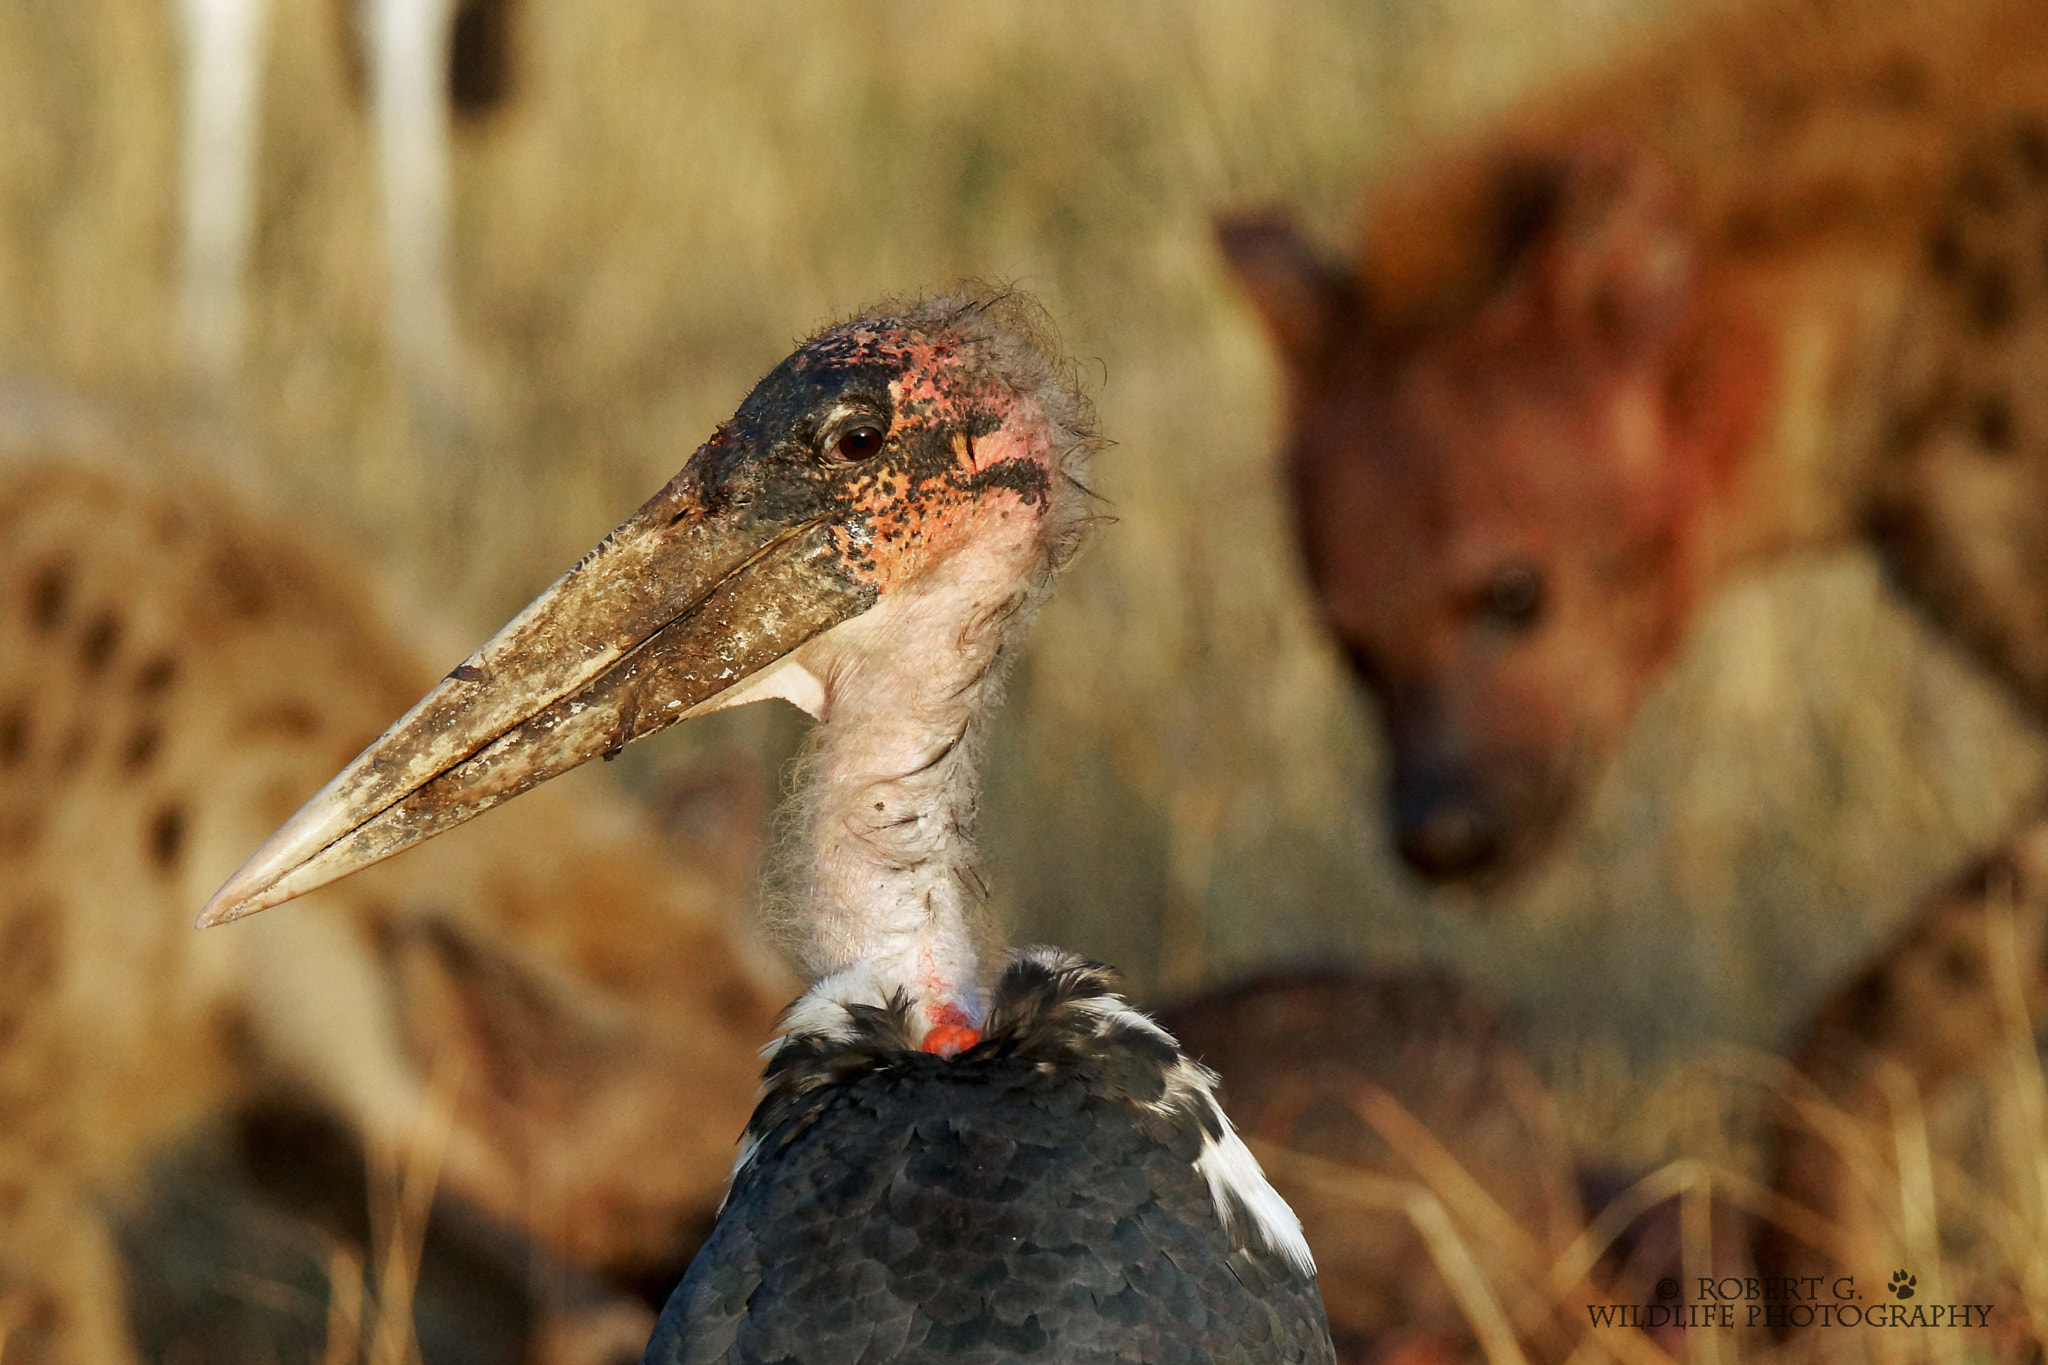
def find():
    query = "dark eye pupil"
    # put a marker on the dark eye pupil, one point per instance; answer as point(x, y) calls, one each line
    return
point(859, 443)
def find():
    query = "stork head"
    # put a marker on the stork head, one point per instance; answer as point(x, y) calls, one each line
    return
point(932, 452)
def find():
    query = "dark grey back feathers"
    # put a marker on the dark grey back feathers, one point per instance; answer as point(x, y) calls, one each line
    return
point(1035, 1199)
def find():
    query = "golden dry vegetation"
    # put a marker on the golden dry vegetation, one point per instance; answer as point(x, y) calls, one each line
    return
point(1185, 778)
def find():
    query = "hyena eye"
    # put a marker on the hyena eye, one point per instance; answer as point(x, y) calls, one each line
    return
point(1513, 599)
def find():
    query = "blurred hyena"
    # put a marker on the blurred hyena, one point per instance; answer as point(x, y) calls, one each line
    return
point(545, 1014)
point(1780, 282)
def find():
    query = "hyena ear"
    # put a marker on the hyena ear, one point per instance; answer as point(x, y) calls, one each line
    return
point(1303, 299)
point(1613, 258)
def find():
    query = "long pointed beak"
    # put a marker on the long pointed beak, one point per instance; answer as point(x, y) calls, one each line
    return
point(676, 606)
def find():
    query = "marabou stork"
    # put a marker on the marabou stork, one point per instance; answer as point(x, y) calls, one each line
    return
point(959, 1154)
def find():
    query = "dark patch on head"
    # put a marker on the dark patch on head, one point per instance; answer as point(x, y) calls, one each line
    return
point(155, 675)
point(141, 749)
point(779, 424)
point(481, 67)
point(99, 642)
point(1028, 479)
point(166, 837)
point(49, 593)
point(1993, 424)
point(13, 736)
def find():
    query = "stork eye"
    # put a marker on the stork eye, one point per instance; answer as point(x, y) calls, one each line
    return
point(858, 443)
point(1513, 599)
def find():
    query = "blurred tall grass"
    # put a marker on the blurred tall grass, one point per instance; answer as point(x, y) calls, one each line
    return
point(1186, 781)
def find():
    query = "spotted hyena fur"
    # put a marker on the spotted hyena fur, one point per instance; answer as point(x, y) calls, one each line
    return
point(1932, 1041)
point(1779, 283)
point(176, 676)
point(1959, 497)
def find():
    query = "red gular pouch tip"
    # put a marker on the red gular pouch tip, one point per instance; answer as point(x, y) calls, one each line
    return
point(950, 1040)
point(952, 1034)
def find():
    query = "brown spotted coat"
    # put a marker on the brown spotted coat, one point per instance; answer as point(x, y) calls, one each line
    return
point(176, 676)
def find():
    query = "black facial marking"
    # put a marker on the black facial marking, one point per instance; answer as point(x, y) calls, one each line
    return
point(1026, 478)
point(769, 454)
point(872, 430)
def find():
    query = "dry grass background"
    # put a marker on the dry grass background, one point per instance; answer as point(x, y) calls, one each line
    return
point(1186, 781)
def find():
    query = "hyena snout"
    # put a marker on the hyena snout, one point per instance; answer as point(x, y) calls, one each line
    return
point(1446, 826)
point(1469, 804)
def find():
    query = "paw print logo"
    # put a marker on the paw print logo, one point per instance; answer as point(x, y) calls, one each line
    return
point(1902, 1285)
